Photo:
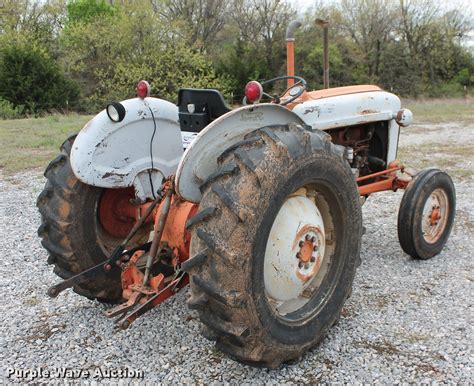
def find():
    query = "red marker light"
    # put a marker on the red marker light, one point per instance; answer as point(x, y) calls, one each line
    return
point(143, 89)
point(253, 91)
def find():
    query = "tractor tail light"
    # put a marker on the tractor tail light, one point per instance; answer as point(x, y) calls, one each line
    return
point(253, 91)
point(143, 89)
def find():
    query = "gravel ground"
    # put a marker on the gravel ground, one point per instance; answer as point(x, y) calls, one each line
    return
point(407, 320)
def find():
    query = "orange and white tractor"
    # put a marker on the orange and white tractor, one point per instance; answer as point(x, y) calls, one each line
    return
point(257, 207)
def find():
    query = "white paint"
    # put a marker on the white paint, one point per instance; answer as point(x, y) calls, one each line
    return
point(348, 110)
point(281, 265)
point(188, 137)
point(200, 159)
point(393, 135)
point(404, 117)
point(113, 155)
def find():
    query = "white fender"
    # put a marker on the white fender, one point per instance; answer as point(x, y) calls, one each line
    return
point(117, 154)
point(200, 159)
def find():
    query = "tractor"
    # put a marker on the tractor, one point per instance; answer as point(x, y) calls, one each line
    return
point(257, 208)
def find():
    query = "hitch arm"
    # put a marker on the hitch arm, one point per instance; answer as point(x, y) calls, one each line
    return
point(110, 263)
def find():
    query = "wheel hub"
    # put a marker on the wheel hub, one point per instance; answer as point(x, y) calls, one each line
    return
point(309, 255)
point(295, 249)
point(116, 214)
point(435, 212)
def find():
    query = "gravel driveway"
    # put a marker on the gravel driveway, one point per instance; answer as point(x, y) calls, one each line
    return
point(407, 320)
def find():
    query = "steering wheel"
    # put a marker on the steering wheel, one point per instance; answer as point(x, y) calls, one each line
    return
point(295, 91)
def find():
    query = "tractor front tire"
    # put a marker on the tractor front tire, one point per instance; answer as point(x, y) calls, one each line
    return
point(426, 214)
point(275, 245)
point(69, 230)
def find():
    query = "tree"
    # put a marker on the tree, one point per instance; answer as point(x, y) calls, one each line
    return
point(109, 53)
point(198, 22)
point(30, 78)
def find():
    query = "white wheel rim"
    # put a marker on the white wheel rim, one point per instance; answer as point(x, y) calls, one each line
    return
point(435, 216)
point(295, 254)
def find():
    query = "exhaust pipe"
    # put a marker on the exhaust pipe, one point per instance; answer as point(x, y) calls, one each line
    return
point(325, 26)
point(290, 50)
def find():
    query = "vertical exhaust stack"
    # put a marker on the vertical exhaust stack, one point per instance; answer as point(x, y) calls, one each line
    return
point(325, 26)
point(290, 50)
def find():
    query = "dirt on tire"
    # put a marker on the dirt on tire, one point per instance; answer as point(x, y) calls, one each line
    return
point(68, 210)
point(229, 234)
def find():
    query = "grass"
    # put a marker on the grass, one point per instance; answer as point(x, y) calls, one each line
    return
point(441, 110)
point(451, 157)
point(33, 142)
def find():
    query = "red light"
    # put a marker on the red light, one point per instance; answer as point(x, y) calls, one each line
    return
point(143, 89)
point(253, 91)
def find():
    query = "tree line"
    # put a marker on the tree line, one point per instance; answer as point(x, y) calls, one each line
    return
point(80, 54)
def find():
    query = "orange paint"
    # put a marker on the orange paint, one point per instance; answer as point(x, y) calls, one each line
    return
point(175, 233)
point(290, 61)
point(332, 92)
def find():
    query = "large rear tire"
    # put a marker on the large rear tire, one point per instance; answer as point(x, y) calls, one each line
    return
point(281, 216)
point(70, 230)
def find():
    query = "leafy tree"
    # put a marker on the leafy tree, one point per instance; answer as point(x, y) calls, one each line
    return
point(109, 54)
point(83, 11)
point(30, 78)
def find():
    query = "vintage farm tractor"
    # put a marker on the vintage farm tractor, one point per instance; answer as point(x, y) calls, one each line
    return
point(261, 212)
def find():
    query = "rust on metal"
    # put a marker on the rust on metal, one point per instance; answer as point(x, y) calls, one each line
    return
point(324, 24)
point(290, 61)
point(308, 253)
point(368, 111)
point(435, 216)
point(384, 180)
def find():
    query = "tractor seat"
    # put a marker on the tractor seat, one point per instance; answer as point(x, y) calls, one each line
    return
point(199, 107)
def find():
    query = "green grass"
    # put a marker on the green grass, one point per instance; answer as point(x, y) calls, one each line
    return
point(33, 142)
point(441, 110)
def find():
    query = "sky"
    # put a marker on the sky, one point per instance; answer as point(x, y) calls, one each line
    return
point(466, 5)
point(459, 4)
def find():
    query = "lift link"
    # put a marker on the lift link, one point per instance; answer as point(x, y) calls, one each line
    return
point(110, 264)
point(143, 290)
point(158, 232)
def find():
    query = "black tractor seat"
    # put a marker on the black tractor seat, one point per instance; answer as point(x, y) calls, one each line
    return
point(199, 107)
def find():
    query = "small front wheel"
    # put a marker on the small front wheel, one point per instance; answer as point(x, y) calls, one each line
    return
point(426, 214)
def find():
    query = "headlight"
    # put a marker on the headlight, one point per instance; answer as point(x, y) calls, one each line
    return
point(404, 117)
point(115, 111)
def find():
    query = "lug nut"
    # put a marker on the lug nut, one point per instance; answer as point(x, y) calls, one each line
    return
point(315, 248)
point(301, 243)
point(300, 265)
point(313, 259)
point(306, 266)
point(307, 237)
point(313, 239)
point(298, 255)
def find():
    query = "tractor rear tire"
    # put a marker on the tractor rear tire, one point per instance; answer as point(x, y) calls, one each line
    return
point(426, 214)
point(68, 231)
point(233, 232)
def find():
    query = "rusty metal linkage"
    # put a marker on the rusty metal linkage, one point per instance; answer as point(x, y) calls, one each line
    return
point(384, 180)
point(110, 264)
